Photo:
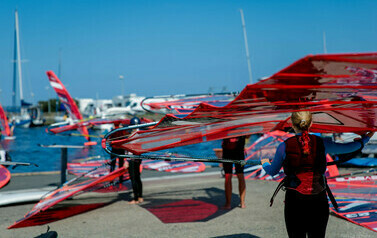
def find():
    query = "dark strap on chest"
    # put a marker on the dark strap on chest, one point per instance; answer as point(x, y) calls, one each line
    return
point(280, 186)
point(328, 191)
point(331, 197)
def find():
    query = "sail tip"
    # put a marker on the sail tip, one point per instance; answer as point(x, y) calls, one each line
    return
point(90, 143)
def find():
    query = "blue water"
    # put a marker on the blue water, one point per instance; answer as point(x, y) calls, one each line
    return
point(25, 148)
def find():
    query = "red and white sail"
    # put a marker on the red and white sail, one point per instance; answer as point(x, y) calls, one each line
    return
point(339, 89)
point(67, 101)
point(5, 130)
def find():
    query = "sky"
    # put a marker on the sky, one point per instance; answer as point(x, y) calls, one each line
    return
point(170, 47)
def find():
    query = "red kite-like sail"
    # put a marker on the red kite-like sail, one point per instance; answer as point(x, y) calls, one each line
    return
point(340, 90)
point(73, 111)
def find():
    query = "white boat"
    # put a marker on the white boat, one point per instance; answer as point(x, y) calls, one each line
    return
point(130, 104)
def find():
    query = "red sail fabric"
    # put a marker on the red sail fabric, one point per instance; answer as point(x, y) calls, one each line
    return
point(265, 147)
point(185, 104)
point(37, 215)
point(4, 176)
point(4, 123)
point(357, 200)
point(340, 90)
point(92, 122)
point(93, 169)
point(67, 101)
point(80, 168)
point(174, 166)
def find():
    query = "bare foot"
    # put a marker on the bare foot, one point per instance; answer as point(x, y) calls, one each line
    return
point(226, 207)
point(133, 202)
point(140, 200)
point(242, 206)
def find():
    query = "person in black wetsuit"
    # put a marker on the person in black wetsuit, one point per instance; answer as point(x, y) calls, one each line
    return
point(117, 151)
point(303, 158)
point(233, 148)
point(134, 170)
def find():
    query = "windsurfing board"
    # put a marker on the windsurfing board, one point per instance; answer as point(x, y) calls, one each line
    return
point(23, 196)
point(62, 146)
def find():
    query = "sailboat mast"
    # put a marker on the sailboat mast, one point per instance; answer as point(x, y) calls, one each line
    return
point(18, 57)
point(246, 46)
point(60, 63)
point(324, 43)
point(14, 93)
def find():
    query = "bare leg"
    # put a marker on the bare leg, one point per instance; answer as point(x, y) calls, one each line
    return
point(242, 189)
point(228, 191)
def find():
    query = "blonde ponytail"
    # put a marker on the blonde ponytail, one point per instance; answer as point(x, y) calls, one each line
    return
point(303, 120)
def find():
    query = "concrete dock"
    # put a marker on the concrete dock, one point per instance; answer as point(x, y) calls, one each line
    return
point(175, 206)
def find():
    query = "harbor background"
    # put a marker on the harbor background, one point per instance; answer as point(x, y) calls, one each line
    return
point(25, 148)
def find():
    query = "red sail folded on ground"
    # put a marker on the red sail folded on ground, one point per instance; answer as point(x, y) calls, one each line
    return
point(44, 211)
point(357, 200)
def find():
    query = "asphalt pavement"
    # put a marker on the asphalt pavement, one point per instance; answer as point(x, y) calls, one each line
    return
point(175, 206)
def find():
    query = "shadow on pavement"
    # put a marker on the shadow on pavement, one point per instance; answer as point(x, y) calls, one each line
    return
point(197, 205)
point(48, 234)
point(242, 235)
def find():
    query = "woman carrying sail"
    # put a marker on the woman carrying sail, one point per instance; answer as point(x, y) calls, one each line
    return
point(303, 158)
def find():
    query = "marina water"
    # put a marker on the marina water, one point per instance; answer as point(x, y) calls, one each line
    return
point(25, 148)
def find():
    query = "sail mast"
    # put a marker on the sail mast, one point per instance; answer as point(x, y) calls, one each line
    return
point(324, 43)
point(18, 57)
point(246, 46)
point(14, 93)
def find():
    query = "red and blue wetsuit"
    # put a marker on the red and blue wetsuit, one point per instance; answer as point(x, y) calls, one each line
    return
point(331, 147)
point(306, 207)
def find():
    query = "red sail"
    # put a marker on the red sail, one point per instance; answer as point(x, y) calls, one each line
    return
point(4, 123)
point(43, 211)
point(67, 101)
point(340, 90)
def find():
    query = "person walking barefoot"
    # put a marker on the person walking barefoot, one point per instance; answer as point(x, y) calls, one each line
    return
point(234, 149)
